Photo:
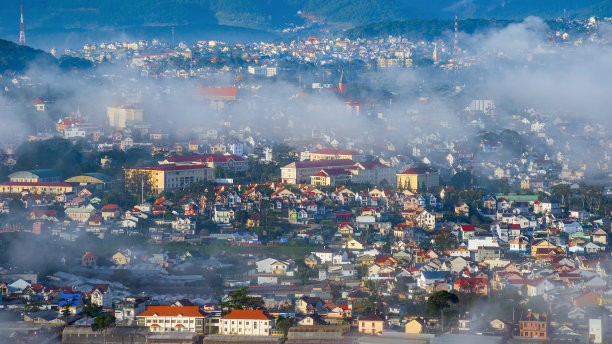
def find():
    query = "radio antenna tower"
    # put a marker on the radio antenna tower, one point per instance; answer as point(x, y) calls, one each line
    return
point(456, 43)
point(21, 30)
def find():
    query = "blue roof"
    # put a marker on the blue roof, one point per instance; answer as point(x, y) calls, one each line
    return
point(73, 299)
point(434, 274)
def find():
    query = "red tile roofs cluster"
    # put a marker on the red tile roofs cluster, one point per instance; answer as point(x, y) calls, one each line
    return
point(335, 152)
point(169, 168)
point(419, 170)
point(204, 158)
point(220, 92)
point(467, 228)
point(248, 314)
point(172, 311)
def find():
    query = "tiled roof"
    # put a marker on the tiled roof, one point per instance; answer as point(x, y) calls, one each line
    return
point(248, 314)
point(172, 311)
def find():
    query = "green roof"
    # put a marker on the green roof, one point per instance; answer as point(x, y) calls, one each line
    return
point(42, 173)
point(518, 198)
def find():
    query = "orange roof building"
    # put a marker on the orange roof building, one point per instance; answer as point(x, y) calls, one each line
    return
point(172, 319)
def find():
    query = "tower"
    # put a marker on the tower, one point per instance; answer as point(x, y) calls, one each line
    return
point(435, 53)
point(456, 42)
point(21, 29)
point(342, 85)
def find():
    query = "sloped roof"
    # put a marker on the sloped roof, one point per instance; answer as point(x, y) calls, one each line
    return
point(172, 311)
point(248, 314)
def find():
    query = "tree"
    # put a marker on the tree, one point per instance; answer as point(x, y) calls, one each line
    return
point(240, 299)
point(32, 307)
point(439, 301)
point(90, 310)
point(66, 307)
point(283, 325)
point(102, 322)
point(139, 183)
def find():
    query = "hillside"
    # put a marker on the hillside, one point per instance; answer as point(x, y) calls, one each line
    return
point(273, 14)
point(16, 58)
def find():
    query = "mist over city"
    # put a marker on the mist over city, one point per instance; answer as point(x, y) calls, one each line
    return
point(305, 171)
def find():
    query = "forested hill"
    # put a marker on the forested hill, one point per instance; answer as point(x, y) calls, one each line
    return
point(422, 29)
point(16, 57)
point(274, 14)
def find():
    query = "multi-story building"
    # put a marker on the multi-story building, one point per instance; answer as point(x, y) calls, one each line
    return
point(371, 324)
point(300, 171)
point(121, 115)
point(331, 177)
point(247, 323)
point(227, 161)
point(163, 178)
point(534, 326)
point(172, 319)
point(418, 178)
point(35, 176)
point(35, 188)
point(335, 154)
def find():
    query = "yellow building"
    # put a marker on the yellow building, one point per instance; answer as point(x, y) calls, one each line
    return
point(418, 178)
point(371, 324)
point(415, 326)
point(170, 177)
point(35, 188)
point(121, 259)
point(119, 116)
point(335, 154)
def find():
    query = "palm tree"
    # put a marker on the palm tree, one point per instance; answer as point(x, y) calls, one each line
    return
point(102, 322)
point(90, 310)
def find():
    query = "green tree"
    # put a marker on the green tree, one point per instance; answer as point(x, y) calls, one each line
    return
point(439, 301)
point(102, 322)
point(283, 325)
point(32, 307)
point(90, 310)
point(240, 299)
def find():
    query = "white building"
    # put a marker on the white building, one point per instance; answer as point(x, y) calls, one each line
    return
point(172, 319)
point(247, 323)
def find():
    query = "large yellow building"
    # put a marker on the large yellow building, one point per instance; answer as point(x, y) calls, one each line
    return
point(35, 188)
point(335, 154)
point(168, 178)
point(418, 178)
point(120, 116)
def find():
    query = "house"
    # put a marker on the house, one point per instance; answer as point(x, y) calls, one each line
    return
point(534, 326)
point(73, 302)
point(122, 258)
point(308, 305)
point(223, 215)
point(466, 232)
point(324, 255)
point(311, 320)
point(247, 323)
point(172, 319)
point(353, 245)
point(331, 177)
point(519, 245)
point(415, 326)
point(543, 248)
point(425, 178)
point(370, 324)
point(272, 266)
point(478, 286)
point(599, 237)
point(428, 278)
point(462, 209)
point(102, 295)
point(110, 211)
point(88, 260)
